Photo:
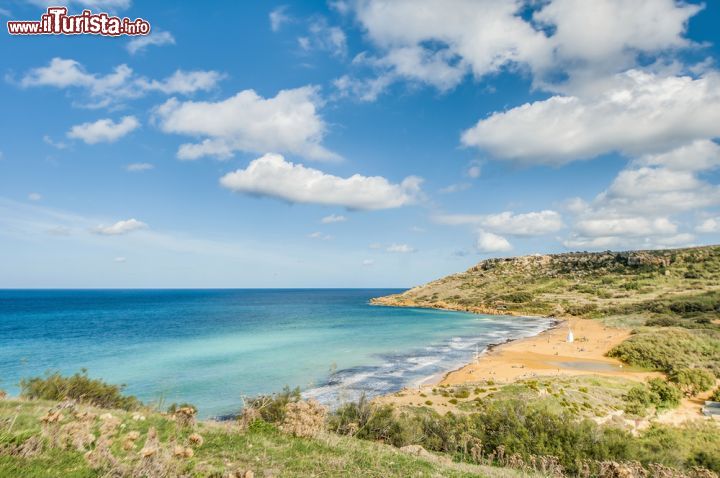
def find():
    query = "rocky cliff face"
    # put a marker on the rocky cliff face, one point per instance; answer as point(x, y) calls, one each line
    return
point(581, 262)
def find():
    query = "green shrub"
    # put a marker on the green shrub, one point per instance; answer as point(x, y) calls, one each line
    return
point(657, 393)
point(517, 297)
point(462, 393)
point(668, 395)
point(693, 381)
point(272, 407)
point(716, 395)
point(671, 349)
point(80, 387)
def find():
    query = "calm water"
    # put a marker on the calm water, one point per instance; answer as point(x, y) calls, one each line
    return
point(210, 347)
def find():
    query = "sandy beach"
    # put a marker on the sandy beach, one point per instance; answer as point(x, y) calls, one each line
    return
point(546, 354)
point(549, 353)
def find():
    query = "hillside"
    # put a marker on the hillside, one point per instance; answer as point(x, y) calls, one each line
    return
point(47, 439)
point(634, 285)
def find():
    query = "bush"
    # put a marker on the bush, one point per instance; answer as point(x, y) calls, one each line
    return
point(671, 349)
point(304, 418)
point(668, 395)
point(716, 395)
point(272, 407)
point(693, 381)
point(657, 393)
point(78, 387)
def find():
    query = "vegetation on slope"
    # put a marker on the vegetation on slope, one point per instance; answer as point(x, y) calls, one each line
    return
point(680, 283)
point(282, 435)
point(85, 442)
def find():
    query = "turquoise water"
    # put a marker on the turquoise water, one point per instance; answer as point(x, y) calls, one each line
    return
point(212, 347)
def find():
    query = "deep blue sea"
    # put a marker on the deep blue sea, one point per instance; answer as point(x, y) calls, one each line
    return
point(212, 347)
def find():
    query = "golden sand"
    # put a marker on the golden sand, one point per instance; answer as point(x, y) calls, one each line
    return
point(549, 354)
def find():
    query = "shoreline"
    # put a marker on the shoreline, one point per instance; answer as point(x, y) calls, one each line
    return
point(545, 354)
point(440, 378)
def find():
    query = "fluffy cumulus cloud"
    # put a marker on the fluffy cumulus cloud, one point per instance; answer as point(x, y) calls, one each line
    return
point(273, 176)
point(591, 40)
point(119, 85)
point(528, 224)
point(709, 226)
point(638, 208)
point(104, 130)
point(286, 123)
point(120, 228)
point(439, 43)
point(487, 242)
point(641, 113)
point(700, 155)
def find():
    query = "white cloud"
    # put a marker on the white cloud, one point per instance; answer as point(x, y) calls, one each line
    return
point(527, 224)
point(709, 226)
point(156, 38)
point(637, 208)
point(641, 113)
point(591, 41)
point(120, 260)
point(35, 196)
point(104, 130)
point(439, 43)
point(272, 176)
point(368, 262)
point(139, 167)
point(620, 242)
point(5, 13)
point(183, 82)
point(320, 236)
point(120, 227)
point(488, 242)
point(400, 248)
point(324, 37)
point(333, 218)
point(625, 226)
point(247, 122)
point(700, 155)
point(121, 84)
point(279, 17)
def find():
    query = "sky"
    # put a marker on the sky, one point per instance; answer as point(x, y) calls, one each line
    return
point(353, 143)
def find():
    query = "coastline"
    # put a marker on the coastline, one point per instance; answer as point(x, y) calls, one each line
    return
point(546, 354)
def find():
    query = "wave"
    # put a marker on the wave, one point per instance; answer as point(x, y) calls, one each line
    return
point(397, 371)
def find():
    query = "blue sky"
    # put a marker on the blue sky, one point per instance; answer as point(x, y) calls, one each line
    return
point(368, 143)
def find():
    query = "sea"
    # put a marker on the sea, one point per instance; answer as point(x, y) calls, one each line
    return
point(216, 348)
